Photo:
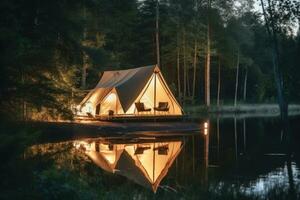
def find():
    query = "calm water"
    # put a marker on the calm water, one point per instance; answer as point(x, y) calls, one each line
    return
point(228, 158)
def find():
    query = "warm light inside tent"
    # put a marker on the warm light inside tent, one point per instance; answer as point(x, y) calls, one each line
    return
point(109, 103)
point(152, 94)
point(87, 108)
point(111, 98)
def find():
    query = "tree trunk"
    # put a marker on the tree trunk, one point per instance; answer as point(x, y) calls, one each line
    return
point(235, 139)
point(207, 67)
point(188, 91)
point(184, 68)
point(84, 55)
point(244, 131)
point(283, 105)
point(245, 85)
point(157, 34)
point(178, 73)
point(195, 70)
point(270, 25)
point(23, 96)
point(219, 82)
point(84, 69)
point(237, 78)
point(218, 136)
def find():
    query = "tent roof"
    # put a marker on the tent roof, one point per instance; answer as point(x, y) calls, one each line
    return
point(128, 84)
point(116, 78)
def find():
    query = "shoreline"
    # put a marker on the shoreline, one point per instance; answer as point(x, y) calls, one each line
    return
point(241, 108)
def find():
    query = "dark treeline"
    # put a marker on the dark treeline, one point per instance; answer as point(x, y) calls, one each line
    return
point(52, 51)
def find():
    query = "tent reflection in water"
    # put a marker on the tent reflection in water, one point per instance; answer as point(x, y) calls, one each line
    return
point(139, 91)
point(144, 163)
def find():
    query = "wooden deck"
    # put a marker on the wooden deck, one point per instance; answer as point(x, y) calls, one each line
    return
point(129, 118)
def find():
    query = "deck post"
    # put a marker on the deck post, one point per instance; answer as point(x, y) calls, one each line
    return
point(154, 92)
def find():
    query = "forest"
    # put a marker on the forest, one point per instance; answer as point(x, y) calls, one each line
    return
point(53, 52)
point(216, 56)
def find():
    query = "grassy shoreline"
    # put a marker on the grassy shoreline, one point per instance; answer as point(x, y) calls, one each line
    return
point(241, 108)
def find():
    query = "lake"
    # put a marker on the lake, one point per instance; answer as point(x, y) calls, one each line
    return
point(227, 158)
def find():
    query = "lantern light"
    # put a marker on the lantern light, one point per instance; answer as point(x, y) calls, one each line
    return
point(205, 125)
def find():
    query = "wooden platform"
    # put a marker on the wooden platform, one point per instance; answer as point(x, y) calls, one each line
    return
point(129, 118)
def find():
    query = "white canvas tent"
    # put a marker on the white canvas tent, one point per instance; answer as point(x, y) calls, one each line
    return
point(118, 91)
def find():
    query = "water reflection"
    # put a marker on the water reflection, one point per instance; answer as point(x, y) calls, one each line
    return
point(246, 156)
point(144, 162)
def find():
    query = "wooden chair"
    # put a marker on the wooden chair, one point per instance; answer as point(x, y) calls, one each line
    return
point(162, 150)
point(90, 115)
point(162, 107)
point(140, 150)
point(140, 107)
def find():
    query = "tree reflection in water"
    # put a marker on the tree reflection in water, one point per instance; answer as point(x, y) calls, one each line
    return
point(224, 160)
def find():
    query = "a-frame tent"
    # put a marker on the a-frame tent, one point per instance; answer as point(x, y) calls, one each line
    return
point(118, 91)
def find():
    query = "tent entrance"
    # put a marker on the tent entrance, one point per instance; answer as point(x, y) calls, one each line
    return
point(110, 104)
point(98, 109)
point(156, 92)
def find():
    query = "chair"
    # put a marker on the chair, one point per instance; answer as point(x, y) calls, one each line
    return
point(162, 150)
point(162, 107)
point(90, 115)
point(140, 107)
point(140, 150)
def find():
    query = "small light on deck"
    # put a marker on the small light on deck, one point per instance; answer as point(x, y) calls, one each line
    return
point(205, 128)
point(205, 125)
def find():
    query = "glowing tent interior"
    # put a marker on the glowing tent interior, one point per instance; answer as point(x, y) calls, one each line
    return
point(144, 163)
point(131, 92)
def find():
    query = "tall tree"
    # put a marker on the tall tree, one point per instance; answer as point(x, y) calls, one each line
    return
point(207, 63)
point(157, 33)
point(237, 77)
point(275, 18)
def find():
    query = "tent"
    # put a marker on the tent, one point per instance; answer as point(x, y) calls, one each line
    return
point(118, 91)
point(145, 163)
